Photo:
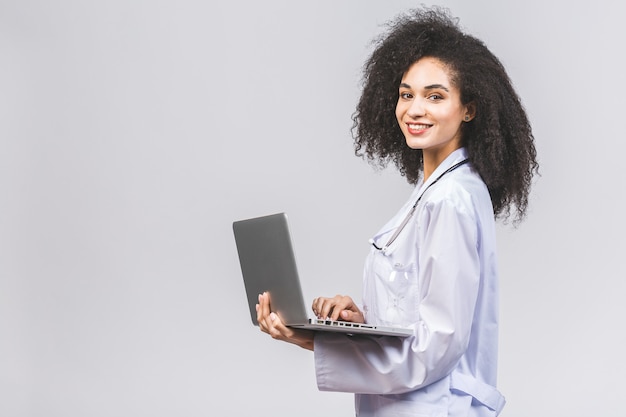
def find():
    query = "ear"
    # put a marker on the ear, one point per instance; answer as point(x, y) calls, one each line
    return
point(470, 112)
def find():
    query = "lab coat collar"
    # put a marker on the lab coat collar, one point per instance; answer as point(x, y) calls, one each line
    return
point(455, 157)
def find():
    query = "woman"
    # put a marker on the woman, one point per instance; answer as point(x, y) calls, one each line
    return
point(460, 133)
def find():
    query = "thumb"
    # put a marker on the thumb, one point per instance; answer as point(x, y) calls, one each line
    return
point(353, 316)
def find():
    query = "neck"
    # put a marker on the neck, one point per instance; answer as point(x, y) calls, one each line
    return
point(429, 168)
point(431, 164)
point(432, 158)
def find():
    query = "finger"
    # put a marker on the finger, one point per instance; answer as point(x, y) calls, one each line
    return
point(318, 305)
point(327, 307)
point(343, 303)
point(324, 307)
point(269, 321)
point(259, 314)
point(275, 329)
point(336, 305)
point(331, 308)
point(278, 330)
point(347, 315)
point(263, 312)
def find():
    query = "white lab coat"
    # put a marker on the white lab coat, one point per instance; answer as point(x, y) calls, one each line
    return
point(440, 278)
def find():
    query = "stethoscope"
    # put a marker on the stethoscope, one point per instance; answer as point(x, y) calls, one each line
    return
point(410, 213)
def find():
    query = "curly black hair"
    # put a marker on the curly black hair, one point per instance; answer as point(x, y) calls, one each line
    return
point(499, 139)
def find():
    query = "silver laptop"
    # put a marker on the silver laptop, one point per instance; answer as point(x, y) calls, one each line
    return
point(268, 263)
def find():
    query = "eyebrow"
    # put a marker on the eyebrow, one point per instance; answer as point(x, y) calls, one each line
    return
point(428, 87)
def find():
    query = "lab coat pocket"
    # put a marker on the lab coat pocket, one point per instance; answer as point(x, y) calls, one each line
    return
point(396, 292)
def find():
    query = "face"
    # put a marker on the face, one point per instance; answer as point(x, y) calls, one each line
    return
point(429, 110)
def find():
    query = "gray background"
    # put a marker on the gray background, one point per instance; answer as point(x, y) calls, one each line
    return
point(134, 132)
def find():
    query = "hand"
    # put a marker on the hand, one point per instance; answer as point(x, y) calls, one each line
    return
point(340, 307)
point(270, 323)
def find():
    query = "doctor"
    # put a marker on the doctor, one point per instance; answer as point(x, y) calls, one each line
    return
point(461, 135)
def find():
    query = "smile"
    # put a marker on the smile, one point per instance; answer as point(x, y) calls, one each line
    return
point(416, 128)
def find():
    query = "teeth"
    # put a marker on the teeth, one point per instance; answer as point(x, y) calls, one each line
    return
point(418, 127)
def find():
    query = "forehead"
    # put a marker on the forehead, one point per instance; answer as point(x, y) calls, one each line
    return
point(428, 70)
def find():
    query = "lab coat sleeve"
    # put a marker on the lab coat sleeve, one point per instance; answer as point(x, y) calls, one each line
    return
point(448, 276)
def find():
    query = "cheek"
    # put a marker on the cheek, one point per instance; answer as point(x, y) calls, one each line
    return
point(452, 120)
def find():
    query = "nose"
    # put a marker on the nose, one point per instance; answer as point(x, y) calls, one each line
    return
point(417, 108)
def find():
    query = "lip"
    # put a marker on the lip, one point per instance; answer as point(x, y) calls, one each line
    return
point(417, 128)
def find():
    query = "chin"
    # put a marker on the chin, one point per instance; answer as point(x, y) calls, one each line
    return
point(411, 144)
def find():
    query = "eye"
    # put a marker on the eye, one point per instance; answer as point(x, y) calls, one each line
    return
point(435, 97)
point(406, 95)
